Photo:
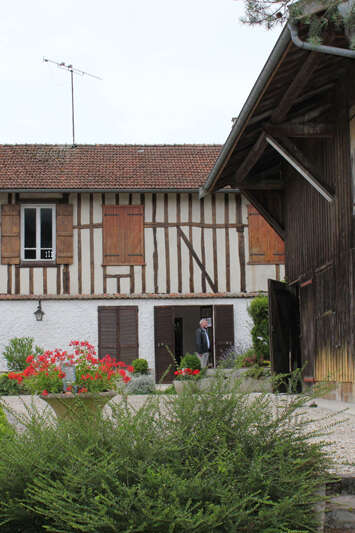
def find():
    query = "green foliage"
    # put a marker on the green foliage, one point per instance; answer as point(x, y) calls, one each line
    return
point(18, 350)
point(208, 463)
point(259, 312)
point(6, 430)
point(141, 384)
point(270, 14)
point(190, 360)
point(140, 366)
point(10, 387)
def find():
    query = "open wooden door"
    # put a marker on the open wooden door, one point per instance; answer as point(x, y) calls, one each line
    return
point(284, 327)
point(223, 329)
point(164, 326)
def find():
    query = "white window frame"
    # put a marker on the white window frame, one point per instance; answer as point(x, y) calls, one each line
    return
point(38, 232)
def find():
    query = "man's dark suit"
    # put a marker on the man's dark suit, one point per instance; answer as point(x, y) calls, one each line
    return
point(202, 346)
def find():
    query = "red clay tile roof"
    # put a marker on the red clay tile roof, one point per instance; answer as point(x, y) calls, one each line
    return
point(105, 167)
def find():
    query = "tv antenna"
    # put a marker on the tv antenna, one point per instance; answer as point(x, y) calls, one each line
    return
point(72, 71)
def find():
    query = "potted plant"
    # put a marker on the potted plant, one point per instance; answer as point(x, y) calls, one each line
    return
point(186, 377)
point(71, 382)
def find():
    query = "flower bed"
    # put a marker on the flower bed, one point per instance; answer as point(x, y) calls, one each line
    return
point(50, 372)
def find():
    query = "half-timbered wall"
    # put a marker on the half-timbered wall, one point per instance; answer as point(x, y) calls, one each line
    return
point(191, 247)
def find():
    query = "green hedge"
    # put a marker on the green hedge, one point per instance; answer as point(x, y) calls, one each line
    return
point(208, 463)
point(259, 312)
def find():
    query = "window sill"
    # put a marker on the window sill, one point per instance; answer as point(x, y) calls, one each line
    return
point(31, 264)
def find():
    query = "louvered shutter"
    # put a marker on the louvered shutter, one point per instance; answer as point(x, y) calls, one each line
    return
point(123, 234)
point(64, 230)
point(223, 328)
point(134, 249)
point(265, 246)
point(10, 234)
point(108, 334)
point(112, 243)
point(164, 336)
point(127, 333)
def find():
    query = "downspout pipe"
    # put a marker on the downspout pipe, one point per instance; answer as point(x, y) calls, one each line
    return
point(333, 50)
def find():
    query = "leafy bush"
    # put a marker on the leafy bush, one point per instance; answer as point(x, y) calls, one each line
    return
point(141, 384)
point(10, 387)
point(17, 351)
point(211, 463)
point(259, 312)
point(140, 366)
point(6, 430)
point(190, 360)
point(231, 355)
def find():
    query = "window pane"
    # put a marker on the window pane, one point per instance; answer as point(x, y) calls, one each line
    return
point(46, 228)
point(30, 228)
point(30, 254)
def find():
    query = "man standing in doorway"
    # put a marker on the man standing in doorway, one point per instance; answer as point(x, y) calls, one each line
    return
point(203, 343)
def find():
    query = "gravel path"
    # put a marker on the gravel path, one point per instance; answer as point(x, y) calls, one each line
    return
point(336, 419)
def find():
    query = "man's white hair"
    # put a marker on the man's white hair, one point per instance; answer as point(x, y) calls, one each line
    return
point(202, 320)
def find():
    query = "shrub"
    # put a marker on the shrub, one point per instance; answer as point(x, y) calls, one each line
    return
point(140, 366)
point(259, 312)
point(190, 360)
point(231, 356)
point(10, 387)
point(17, 351)
point(141, 384)
point(6, 430)
point(203, 463)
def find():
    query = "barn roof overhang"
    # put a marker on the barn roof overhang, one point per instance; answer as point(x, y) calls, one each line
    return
point(290, 99)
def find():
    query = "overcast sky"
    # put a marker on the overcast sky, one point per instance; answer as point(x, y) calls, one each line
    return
point(173, 71)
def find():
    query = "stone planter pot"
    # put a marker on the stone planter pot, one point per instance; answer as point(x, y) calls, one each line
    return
point(191, 384)
point(71, 406)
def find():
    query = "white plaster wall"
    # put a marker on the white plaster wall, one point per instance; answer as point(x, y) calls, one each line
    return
point(78, 320)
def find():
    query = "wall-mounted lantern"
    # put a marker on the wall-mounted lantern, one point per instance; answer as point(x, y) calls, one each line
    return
point(39, 313)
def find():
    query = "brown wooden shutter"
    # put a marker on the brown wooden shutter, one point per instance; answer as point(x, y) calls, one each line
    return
point(134, 221)
point(223, 329)
point(10, 234)
point(265, 246)
point(108, 338)
point(118, 332)
point(127, 334)
point(164, 336)
point(112, 244)
point(64, 229)
point(123, 235)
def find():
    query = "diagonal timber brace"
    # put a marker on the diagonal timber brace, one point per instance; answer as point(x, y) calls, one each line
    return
point(296, 159)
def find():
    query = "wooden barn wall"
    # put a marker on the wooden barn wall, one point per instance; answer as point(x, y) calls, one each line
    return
point(191, 247)
point(318, 249)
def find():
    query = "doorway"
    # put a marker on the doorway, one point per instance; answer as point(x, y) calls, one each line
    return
point(175, 330)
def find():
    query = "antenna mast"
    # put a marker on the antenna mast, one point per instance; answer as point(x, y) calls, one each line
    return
point(72, 71)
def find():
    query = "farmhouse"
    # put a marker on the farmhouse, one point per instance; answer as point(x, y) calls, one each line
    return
point(114, 245)
point(292, 154)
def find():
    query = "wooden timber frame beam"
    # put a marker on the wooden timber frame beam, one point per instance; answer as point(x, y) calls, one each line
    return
point(295, 158)
point(294, 89)
point(265, 213)
point(313, 130)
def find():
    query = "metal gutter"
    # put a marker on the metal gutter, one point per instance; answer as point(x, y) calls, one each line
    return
point(332, 50)
point(252, 99)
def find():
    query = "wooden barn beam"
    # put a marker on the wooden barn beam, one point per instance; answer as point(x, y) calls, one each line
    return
point(294, 89)
point(295, 158)
point(251, 159)
point(265, 213)
point(309, 130)
point(287, 101)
